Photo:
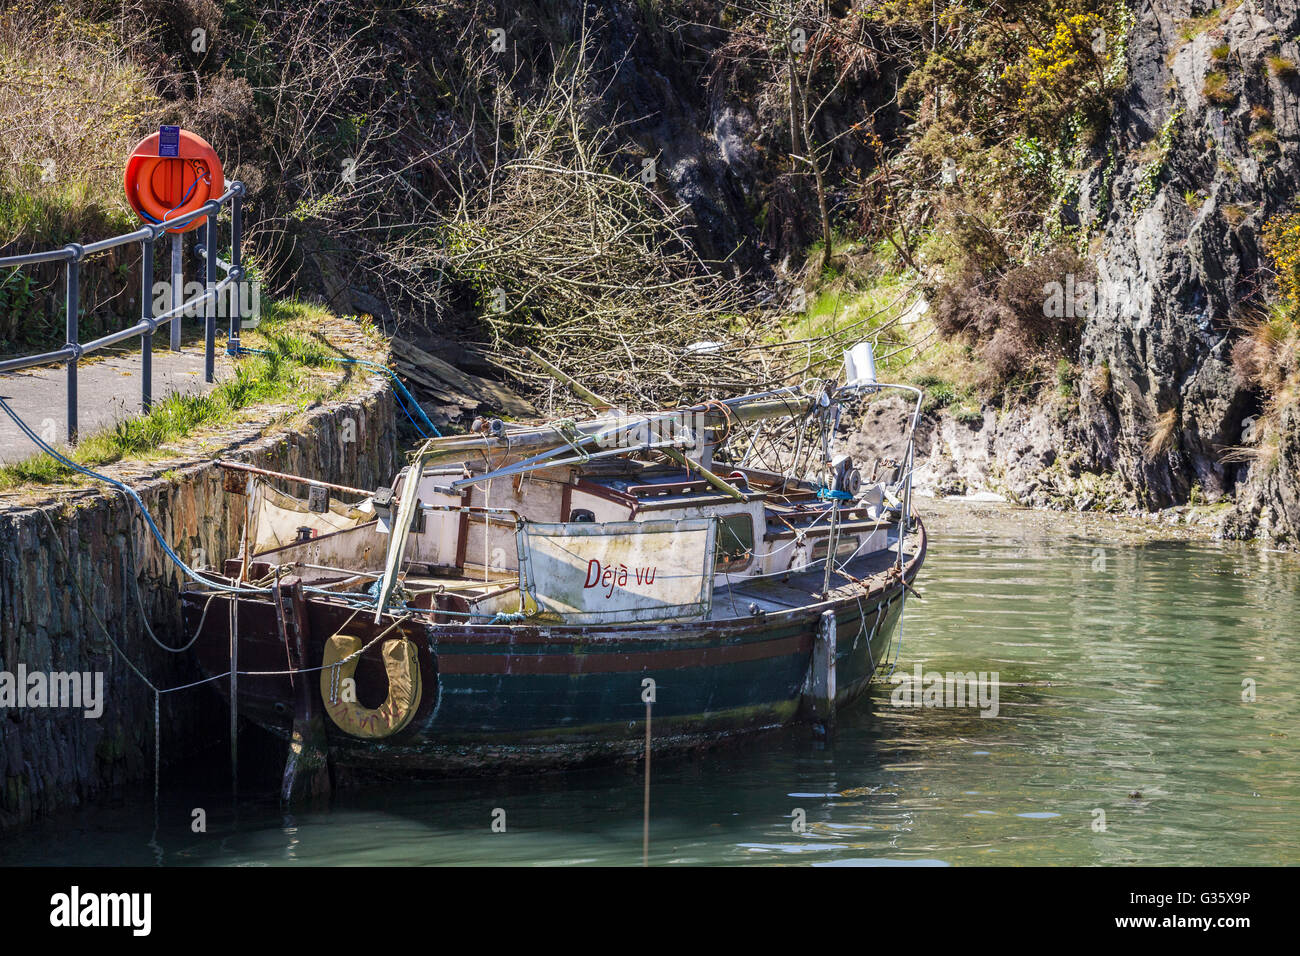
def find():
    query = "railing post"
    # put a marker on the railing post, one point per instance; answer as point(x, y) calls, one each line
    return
point(178, 287)
point(146, 315)
point(210, 306)
point(73, 306)
point(236, 268)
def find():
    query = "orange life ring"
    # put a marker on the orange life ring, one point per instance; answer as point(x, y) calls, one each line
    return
point(162, 188)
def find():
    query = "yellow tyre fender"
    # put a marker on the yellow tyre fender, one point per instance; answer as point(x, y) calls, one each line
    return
point(401, 661)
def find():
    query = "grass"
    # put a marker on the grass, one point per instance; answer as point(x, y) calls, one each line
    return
point(1267, 358)
point(1100, 380)
point(1164, 433)
point(960, 400)
point(1264, 140)
point(1233, 213)
point(1216, 89)
point(1067, 378)
point(1281, 66)
point(74, 105)
point(950, 375)
point(1193, 27)
point(292, 369)
point(847, 309)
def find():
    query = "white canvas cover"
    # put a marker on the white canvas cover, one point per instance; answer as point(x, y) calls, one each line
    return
point(276, 518)
point(621, 571)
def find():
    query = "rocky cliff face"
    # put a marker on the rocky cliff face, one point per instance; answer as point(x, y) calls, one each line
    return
point(1202, 149)
point(1201, 152)
point(1173, 273)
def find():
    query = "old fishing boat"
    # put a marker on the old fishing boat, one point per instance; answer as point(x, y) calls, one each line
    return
point(518, 595)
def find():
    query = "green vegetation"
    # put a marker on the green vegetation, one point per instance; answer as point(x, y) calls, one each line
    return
point(74, 104)
point(1216, 89)
point(1267, 357)
point(1264, 140)
point(847, 308)
point(1282, 242)
point(1150, 178)
point(294, 367)
point(1006, 111)
point(1067, 378)
point(1280, 66)
point(1193, 27)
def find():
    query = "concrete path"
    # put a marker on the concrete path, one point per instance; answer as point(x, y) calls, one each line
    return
point(108, 390)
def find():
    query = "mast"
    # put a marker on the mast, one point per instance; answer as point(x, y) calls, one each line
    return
point(608, 429)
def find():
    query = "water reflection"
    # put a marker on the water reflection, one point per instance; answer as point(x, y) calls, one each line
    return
point(1121, 678)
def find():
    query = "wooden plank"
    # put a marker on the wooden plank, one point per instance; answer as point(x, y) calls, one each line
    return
point(439, 389)
point(719, 483)
point(822, 674)
point(584, 393)
point(485, 390)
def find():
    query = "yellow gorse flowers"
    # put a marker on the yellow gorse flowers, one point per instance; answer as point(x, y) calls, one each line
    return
point(1282, 241)
point(1078, 43)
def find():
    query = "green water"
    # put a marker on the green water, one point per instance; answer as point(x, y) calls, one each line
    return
point(1121, 675)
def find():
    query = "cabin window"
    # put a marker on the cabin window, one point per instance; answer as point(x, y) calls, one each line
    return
point(582, 514)
point(735, 544)
point(846, 546)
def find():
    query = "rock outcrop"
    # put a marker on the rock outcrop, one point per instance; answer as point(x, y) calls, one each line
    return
point(1203, 148)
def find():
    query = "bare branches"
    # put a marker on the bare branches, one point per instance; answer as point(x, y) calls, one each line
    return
point(593, 270)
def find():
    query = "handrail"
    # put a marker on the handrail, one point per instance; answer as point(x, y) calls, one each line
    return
point(73, 253)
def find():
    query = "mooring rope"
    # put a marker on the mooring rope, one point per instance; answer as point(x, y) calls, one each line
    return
point(403, 393)
point(133, 495)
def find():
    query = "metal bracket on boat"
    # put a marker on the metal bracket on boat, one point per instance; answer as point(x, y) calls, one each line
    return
point(383, 504)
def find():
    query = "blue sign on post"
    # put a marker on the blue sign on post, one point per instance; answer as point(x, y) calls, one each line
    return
point(169, 141)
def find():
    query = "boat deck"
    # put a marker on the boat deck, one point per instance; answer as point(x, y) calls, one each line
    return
point(786, 592)
point(741, 597)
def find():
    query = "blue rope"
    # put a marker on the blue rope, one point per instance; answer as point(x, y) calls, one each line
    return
point(503, 617)
point(833, 494)
point(130, 492)
point(402, 390)
point(404, 395)
point(188, 194)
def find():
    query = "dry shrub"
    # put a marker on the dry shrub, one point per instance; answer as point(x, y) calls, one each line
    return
point(587, 266)
point(1267, 358)
point(224, 106)
point(1163, 433)
point(1005, 314)
point(1269, 353)
point(1100, 381)
point(73, 106)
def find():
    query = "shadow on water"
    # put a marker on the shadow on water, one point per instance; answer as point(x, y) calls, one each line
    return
point(1124, 733)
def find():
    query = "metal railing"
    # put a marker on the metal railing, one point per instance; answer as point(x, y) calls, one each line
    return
point(73, 254)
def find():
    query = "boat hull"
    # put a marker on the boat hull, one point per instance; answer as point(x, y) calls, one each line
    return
point(499, 698)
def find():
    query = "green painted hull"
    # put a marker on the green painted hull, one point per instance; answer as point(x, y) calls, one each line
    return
point(502, 697)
